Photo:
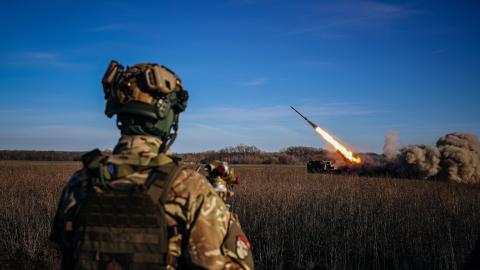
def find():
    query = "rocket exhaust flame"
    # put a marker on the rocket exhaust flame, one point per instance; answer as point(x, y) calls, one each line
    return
point(338, 146)
point(344, 151)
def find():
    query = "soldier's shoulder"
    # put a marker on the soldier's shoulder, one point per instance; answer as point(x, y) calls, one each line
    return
point(81, 175)
point(191, 182)
point(76, 180)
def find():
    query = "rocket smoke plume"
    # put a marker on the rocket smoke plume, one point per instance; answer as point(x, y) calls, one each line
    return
point(390, 147)
point(424, 160)
point(456, 156)
point(460, 159)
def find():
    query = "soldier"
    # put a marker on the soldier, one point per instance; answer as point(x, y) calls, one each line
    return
point(138, 208)
point(222, 178)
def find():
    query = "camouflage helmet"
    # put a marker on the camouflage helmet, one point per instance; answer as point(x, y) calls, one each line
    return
point(149, 92)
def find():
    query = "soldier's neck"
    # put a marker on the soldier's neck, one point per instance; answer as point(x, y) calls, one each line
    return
point(139, 145)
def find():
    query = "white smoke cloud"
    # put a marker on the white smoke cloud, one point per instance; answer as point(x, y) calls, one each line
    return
point(390, 147)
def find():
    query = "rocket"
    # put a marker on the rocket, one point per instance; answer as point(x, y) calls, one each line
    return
point(341, 149)
point(314, 126)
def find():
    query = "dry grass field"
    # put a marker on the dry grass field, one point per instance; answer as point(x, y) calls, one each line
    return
point(294, 220)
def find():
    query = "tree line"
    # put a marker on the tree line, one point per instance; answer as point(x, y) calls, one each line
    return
point(40, 155)
point(240, 154)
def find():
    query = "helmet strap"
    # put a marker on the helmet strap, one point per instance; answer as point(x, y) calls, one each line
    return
point(167, 142)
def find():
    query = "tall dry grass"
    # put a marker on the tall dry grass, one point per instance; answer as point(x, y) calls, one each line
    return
point(301, 221)
point(28, 197)
point(294, 220)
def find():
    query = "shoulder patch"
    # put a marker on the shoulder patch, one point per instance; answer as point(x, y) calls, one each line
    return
point(236, 244)
point(242, 247)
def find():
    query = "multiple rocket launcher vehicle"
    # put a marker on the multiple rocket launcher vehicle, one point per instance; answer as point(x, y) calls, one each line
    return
point(223, 178)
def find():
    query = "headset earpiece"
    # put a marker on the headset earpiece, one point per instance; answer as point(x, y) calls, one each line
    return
point(159, 80)
point(110, 76)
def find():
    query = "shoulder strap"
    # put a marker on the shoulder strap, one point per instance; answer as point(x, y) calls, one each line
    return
point(94, 165)
point(91, 158)
point(160, 180)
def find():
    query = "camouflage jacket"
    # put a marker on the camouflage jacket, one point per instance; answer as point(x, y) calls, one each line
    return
point(208, 235)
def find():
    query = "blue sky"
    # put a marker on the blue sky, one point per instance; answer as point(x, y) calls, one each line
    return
point(359, 69)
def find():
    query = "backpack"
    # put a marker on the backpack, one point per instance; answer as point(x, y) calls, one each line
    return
point(111, 228)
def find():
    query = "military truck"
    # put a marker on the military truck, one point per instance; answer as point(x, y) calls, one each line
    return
point(321, 166)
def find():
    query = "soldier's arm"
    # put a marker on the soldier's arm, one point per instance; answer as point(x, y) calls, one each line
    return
point(215, 238)
point(61, 228)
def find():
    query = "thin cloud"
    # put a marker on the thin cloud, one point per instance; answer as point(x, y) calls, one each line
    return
point(108, 27)
point(264, 114)
point(439, 51)
point(38, 58)
point(202, 137)
point(248, 2)
point(254, 82)
point(367, 12)
point(310, 63)
point(383, 10)
point(61, 131)
point(334, 21)
point(331, 36)
point(267, 127)
point(24, 116)
point(58, 137)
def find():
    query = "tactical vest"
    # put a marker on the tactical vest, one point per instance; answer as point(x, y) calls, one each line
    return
point(122, 228)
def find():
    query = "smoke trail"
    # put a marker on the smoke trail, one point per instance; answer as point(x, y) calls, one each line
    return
point(460, 157)
point(390, 146)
